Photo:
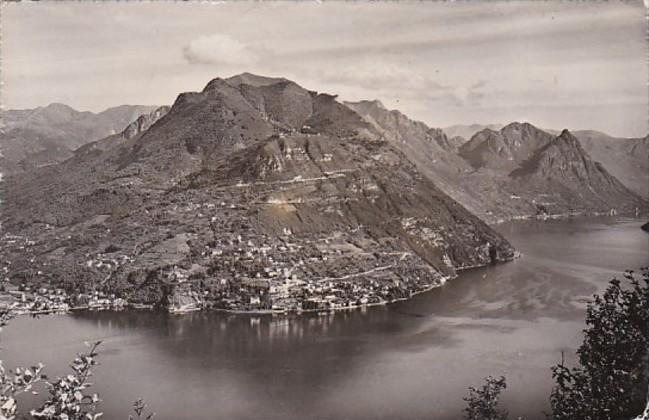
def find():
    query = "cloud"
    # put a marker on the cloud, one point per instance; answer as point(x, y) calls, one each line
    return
point(370, 74)
point(220, 49)
point(468, 95)
point(461, 94)
point(479, 84)
point(376, 74)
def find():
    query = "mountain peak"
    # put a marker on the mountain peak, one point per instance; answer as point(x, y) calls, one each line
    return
point(486, 131)
point(254, 80)
point(566, 137)
point(58, 106)
point(245, 79)
point(468, 131)
point(56, 110)
point(565, 133)
point(522, 126)
point(212, 84)
point(505, 149)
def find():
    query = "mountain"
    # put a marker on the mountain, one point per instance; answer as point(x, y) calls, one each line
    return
point(505, 149)
point(485, 174)
point(468, 131)
point(563, 167)
point(397, 127)
point(46, 135)
point(132, 131)
point(254, 193)
point(255, 80)
point(434, 153)
point(540, 173)
point(625, 158)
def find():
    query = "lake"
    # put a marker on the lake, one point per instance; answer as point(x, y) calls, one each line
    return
point(410, 360)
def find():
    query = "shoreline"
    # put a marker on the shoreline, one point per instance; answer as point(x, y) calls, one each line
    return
point(444, 280)
point(260, 312)
point(562, 216)
point(307, 311)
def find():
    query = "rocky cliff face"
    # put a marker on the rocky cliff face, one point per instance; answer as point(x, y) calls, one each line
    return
point(254, 194)
point(132, 131)
point(144, 122)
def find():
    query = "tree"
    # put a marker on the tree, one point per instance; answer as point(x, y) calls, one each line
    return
point(482, 403)
point(611, 380)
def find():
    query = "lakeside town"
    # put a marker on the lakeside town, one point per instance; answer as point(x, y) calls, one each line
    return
point(243, 272)
point(275, 288)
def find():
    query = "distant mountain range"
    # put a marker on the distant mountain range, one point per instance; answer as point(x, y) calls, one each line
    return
point(42, 136)
point(517, 171)
point(466, 131)
point(625, 158)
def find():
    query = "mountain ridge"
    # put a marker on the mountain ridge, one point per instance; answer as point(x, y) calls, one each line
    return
point(486, 180)
point(233, 185)
point(466, 131)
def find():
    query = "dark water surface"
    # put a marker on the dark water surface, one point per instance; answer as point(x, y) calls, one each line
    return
point(410, 360)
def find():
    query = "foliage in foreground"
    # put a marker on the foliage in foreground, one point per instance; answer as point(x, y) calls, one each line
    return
point(611, 381)
point(68, 396)
point(482, 403)
point(68, 399)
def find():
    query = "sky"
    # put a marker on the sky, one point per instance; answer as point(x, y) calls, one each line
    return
point(575, 65)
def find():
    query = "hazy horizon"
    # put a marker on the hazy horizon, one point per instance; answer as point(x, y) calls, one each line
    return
point(554, 64)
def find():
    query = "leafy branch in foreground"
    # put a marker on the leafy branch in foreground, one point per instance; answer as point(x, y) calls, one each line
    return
point(17, 381)
point(139, 407)
point(69, 399)
point(14, 383)
point(68, 396)
point(482, 403)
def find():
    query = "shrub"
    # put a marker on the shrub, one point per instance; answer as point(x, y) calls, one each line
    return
point(482, 403)
point(611, 380)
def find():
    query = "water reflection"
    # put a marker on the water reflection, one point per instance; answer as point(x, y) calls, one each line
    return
point(408, 360)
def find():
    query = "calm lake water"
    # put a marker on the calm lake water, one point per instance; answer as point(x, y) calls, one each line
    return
point(410, 360)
